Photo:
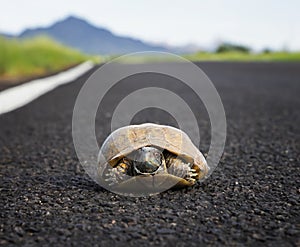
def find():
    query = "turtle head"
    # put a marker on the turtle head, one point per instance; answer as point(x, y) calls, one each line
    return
point(148, 160)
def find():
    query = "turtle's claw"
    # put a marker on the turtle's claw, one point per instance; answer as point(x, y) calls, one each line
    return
point(115, 176)
point(183, 170)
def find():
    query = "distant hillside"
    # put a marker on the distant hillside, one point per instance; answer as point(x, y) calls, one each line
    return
point(82, 35)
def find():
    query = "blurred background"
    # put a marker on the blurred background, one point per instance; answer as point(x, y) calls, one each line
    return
point(38, 38)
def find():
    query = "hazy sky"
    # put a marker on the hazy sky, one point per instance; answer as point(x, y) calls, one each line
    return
point(267, 23)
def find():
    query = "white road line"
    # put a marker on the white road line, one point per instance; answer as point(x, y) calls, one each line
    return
point(18, 96)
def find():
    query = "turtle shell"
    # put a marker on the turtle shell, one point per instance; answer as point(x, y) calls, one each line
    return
point(127, 139)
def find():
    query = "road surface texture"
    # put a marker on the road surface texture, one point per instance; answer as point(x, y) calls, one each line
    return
point(252, 198)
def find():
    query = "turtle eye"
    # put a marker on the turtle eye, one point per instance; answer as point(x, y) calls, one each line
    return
point(157, 156)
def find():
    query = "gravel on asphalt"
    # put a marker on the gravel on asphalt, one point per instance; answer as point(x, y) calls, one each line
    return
point(252, 198)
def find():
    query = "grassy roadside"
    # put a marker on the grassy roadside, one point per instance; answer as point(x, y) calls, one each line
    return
point(245, 57)
point(212, 56)
point(35, 57)
point(21, 59)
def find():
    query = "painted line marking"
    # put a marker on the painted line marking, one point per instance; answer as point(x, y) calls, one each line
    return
point(18, 96)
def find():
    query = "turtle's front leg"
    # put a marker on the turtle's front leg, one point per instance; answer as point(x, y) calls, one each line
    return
point(179, 168)
point(119, 173)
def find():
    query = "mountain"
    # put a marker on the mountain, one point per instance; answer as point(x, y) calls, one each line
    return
point(80, 34)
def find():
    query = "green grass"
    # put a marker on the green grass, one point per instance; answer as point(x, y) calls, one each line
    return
point(41, 55)
point(139, 58)
point(210, 56)
point(36, 56)
point(246, 57)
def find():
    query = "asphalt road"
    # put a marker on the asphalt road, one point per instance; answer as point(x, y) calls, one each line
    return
point(252, 198)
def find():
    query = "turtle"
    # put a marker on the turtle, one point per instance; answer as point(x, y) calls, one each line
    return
point(151, 157)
